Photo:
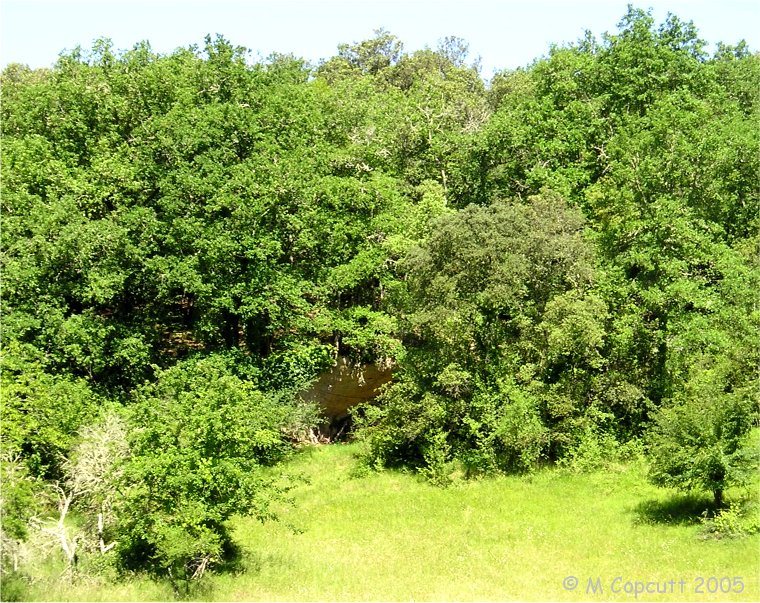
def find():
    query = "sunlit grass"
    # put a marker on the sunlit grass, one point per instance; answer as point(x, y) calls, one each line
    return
point(391, 536)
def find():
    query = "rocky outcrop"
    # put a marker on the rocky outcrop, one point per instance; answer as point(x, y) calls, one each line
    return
point(344, 386)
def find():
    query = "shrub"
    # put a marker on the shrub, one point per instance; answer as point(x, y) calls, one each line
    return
point(199, 437)
point(399, 428)
point(94, 469)
point(487, 428)
point(488, 293)
point(701, 444)
point(41, 412)
point(504, 430)
point(736, 521)
point(19, 502)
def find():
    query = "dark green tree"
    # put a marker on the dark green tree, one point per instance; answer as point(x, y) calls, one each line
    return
point(483, 292)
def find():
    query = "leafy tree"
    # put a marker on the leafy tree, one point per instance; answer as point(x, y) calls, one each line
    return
point(700, 438)
point(701, 443)
point(218, 206)
point(368, 57)
point(651, 138)
point(479, 290)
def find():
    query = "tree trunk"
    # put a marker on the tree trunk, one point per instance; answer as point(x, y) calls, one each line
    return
point(230, 329)
point(718, 494)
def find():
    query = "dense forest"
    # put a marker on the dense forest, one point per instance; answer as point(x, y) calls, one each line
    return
point(559, 260)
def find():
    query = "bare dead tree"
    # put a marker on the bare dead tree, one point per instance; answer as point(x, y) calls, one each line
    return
point(92, 472)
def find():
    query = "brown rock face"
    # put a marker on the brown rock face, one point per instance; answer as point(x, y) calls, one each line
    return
point(346, 385)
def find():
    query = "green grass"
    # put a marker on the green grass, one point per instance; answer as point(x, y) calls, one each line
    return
point(391, 536)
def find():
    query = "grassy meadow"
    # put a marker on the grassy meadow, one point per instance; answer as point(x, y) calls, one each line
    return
point(391, 536)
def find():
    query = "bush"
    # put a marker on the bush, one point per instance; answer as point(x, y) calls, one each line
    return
point(701, 444)
point(19, 502)
point(394, 429)
point(94, 470)
point(199, 437)
point(486, 428)
point(598, 450)
point(13, 586)
point(734, 522)
point(18, 499)
point(41, 412)
point(504, 430)
point(488, 293)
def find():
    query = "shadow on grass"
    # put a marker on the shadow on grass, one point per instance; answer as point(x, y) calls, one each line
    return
point(679, 509)
point(200, 588)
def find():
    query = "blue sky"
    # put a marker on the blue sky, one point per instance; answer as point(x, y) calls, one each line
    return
point(506, 34)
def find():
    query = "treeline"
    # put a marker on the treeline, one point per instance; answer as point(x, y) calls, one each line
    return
point(562, 259)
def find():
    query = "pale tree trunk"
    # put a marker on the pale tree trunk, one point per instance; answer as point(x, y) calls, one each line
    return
point(68, 545)
point(103, 547)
